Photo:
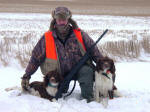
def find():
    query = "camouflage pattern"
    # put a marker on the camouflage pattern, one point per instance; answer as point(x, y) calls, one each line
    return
point(61, 13)
point(69, 53)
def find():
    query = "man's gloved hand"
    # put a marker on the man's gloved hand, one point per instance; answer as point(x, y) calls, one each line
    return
point(25, 82)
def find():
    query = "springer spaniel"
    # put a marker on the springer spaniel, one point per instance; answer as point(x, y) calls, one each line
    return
point(104, 79)
point(48, 88)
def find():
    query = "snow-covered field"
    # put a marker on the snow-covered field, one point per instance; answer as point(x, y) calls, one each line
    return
point(132, 77)
point(120, 26)
point(20, 32)
point(132, 81)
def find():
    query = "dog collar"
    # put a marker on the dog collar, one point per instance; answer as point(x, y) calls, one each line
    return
point(52, 85)
point(106, 74)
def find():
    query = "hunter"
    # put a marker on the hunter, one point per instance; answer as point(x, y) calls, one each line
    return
point(61, 48)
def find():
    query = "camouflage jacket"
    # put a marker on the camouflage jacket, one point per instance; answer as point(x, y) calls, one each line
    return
point(69, 52)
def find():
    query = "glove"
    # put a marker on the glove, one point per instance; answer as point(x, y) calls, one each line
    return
point(25, 82)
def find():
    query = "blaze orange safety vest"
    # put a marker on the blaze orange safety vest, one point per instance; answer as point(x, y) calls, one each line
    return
point(50, 43)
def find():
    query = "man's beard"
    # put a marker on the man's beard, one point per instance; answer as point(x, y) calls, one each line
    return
point(62, 30)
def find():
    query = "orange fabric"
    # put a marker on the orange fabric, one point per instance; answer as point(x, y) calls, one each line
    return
point(79, 37)
point(50, 43)
point(50, 46)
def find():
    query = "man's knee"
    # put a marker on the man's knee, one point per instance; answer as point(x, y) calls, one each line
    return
point(85, 74)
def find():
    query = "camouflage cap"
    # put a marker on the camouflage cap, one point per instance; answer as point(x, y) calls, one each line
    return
point(61, 13)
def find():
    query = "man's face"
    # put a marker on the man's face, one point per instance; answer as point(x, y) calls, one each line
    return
point(61, 21)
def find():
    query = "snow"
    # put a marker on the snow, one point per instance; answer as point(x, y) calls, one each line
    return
point(40, 23)
point(132, 81)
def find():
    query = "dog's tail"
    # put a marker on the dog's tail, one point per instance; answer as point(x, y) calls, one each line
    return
point(117, 93)
point(15, 88)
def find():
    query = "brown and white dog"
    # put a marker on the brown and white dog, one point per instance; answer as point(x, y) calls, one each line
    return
point(104, 79)
point(48, 88)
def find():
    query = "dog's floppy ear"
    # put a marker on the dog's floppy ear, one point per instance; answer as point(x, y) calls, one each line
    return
point(112, 69)
point(46, 80)
point(58, 76)
point(98, 65)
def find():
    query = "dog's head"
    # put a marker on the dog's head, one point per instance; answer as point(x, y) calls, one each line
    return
point(53, 78)
point(105, 63)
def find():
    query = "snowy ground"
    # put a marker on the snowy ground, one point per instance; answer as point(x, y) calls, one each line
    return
point(132, 81)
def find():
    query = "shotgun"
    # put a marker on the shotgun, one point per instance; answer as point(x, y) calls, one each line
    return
point(76, 68)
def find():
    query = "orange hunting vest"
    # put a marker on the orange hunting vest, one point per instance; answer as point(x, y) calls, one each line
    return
point(52, 62)
point(50, 43)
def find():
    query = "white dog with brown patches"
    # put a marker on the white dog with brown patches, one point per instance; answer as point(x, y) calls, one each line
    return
point(104, 80)
point(48, 88)
point(103, 85)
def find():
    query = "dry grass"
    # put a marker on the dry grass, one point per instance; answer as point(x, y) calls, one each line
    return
point(19, 49)
point(16, 49)
point(146, 44)
point(119, 50)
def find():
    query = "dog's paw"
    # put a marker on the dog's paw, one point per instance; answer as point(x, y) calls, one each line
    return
point(54, 100)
